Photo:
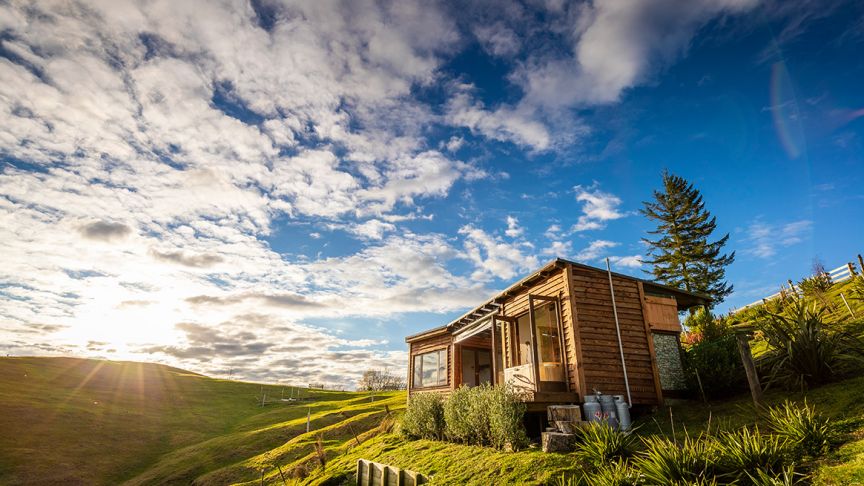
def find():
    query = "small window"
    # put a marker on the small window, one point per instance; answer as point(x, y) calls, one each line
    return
point(430, 369)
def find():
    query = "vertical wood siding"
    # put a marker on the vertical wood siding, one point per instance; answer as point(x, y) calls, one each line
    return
point(601, 363)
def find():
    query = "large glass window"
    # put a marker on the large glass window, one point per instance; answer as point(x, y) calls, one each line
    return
point(548, 343)
point(430, 369)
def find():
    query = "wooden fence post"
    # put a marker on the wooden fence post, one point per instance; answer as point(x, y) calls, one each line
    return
point(749, 368)
point(851, 267)
point(861, 263)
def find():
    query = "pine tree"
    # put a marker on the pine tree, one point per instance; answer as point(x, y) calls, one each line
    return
point(682, 256)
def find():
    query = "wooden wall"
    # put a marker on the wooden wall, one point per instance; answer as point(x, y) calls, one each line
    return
point(424, 346)
point(599, 354)
point(555, 285)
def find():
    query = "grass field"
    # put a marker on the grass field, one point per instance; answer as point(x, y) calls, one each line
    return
point(77, 421)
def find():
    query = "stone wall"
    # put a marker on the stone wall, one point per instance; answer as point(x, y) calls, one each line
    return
point(667, 349)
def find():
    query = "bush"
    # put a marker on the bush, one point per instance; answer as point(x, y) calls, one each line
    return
point(424, 417)
point(818, 284)
point(718, 363)
point(506, 412)
point(802, 352)
point(744, 451)
point(466, 416)
point(808, 432)
point(706, 325)
point(667, 462)
point(598, 444)
point(485, 415)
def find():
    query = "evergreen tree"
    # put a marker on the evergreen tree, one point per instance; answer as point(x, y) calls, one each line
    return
point(681, 255)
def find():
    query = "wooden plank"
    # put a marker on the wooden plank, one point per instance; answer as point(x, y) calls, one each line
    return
point(655, 370)
point(577, 344)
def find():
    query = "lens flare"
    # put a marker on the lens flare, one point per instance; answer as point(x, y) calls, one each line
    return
point(785, 112)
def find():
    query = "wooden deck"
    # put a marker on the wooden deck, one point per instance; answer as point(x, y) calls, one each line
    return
point(538, 401)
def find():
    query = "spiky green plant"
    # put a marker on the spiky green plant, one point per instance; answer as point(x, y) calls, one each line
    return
point(816, 285)
point(787, 477)
point(598, 444)
point(809, 432)
point(664, 462)
point(746, 450)
point(616, 473)
point(802, 351)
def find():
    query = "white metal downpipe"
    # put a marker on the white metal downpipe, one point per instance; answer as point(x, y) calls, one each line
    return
point(618, 330)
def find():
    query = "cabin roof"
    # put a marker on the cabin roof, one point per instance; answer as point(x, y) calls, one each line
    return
point(684, 298)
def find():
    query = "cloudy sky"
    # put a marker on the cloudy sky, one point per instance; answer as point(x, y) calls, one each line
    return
point(287, 189)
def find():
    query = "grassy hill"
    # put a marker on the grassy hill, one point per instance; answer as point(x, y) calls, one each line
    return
point(79, 421)
point(76, 421)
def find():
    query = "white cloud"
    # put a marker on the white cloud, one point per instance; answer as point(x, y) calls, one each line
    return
point(594, 250)
point(598, 207)
point(629, 261)
point(169, 137)
point(610, 46)
point(617, 45)
point(494, 258)
point(498, 39)
point(553, 232)
point(765, 239)
point(503, 123)
point(560, 249)
point(372, 229)
point(513, 229)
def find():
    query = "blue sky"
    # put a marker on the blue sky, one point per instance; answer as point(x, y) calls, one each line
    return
point(287, 189)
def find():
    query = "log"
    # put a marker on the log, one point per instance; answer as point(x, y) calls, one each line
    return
point(750, 368)
point(557, 441)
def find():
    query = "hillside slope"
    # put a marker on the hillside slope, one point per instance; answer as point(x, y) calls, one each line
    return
point(81, 421)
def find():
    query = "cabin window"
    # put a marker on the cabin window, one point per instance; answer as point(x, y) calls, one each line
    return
point(430, 369)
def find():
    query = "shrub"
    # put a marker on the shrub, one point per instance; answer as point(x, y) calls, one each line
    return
point(707, 325)
point(802, 351)
point(718, 363)
point(424, 417)
point(808, 432)
point(669, 463)
point(598, 444)
point(466, 415)
point(744, 450)
point(506, 412)
point(818, 284)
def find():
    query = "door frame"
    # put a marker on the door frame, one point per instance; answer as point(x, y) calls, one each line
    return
point(559, 324)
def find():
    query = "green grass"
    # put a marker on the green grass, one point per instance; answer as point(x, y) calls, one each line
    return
point(73, 421)
point(77, 421)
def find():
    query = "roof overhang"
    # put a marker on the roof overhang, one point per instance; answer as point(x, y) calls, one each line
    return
point(471, 330)
point(684, 299)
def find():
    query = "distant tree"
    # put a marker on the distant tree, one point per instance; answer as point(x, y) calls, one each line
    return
point(682, 255)
point(380, 380)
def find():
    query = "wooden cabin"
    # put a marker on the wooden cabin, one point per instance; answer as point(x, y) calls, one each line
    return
point(553, 336)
